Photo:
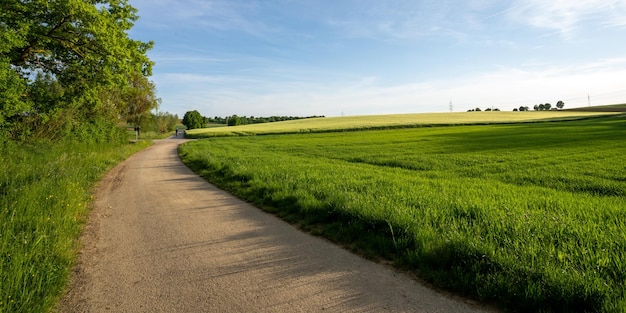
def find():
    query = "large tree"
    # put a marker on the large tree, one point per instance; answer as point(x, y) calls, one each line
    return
point(193, 119)
point(79, 46)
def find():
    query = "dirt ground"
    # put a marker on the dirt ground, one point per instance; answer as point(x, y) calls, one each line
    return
point(161, 239)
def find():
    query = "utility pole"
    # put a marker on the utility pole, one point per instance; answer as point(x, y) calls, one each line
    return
point(451, 108)
point(588, 100)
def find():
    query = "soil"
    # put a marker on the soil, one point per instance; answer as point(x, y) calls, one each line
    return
point(162, 239)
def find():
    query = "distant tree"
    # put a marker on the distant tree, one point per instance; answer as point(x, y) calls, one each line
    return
point(165, 122)
point(560, 104)
point(542, 107)
point(477, 110)
point(536, 108)
point(487, 109)
point(515, 110)
point(523, 108)
point(193, 119)
point(234, 120)
point(547, 106)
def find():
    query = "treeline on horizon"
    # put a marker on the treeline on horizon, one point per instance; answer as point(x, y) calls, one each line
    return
point(193, 119)
point(234, 120)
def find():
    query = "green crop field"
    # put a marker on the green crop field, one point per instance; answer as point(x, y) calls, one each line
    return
point(530, 216)
point(351, 123)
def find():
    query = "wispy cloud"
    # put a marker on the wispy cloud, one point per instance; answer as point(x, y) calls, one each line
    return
point(504, 88)
point(309, 57)
point(393, 20)
point(203, 15)
point(566, 17)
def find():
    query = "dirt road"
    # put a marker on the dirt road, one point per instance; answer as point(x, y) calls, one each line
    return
point(161, 239)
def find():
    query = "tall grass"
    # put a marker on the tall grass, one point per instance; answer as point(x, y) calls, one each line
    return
point(530, 216)
point(45, 192)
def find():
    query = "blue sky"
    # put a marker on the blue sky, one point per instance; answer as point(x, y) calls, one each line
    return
point(360, 57)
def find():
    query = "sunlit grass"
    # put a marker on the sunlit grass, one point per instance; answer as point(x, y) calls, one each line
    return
point(528, 215)
point(385, 121)
point(44, 197)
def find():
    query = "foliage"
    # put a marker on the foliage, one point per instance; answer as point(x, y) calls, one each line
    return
point(159, 122)
point(140, 98)
point(560, 105)
point(12, 89)
point(244, 120)
point(193, 119)
point(65, 63)
point(234, 121)
point(501, 212)
point(44, 196)
point(548, 106)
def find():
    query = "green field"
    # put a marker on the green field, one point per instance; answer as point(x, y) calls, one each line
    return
point(530, 216)
point(602, 108)
point(351, 123)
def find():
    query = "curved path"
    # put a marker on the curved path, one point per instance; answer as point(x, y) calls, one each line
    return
point(162, 239)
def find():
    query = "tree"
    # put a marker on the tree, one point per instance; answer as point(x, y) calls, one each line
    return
point(139, 96)
point(547, 106)
point(560, 104)
point(192, 119)
point(79, 47)
point(234, 120)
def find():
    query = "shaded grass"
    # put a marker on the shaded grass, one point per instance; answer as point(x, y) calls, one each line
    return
point(44, 197)
point(530, 216)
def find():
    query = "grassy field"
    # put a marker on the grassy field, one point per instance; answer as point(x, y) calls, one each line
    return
point(44, 197)
point(351, 123)
point(530, 216)
point(602, 108)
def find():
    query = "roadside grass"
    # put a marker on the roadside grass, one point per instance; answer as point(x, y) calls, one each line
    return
point(44, 199)
point(352, 123)
point(528, 216)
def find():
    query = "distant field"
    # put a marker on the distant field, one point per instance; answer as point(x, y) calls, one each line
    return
point(386, 121)
point(602, 108)
point(531, 216)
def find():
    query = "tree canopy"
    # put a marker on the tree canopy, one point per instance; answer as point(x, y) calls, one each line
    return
point(193, 119)
point(68, 63)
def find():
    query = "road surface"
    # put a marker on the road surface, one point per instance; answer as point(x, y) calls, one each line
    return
point(162, 239)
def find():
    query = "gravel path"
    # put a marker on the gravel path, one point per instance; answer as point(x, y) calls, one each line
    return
point(161, 239)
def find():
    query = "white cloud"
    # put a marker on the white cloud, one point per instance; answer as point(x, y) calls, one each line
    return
point(505, 88)
point(567, 16)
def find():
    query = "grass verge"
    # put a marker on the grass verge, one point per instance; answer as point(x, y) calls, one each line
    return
point(45, 192)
